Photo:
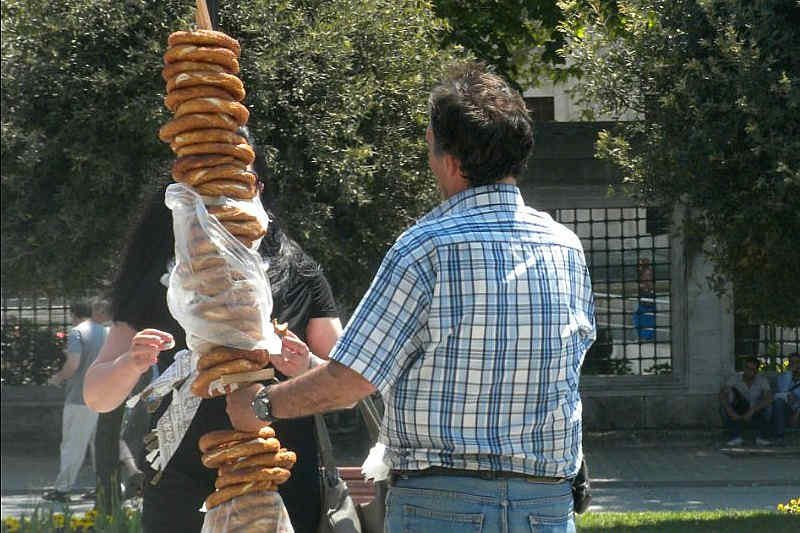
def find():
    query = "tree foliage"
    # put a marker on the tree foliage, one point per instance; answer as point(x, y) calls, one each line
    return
point(337, 93)
point(716, 85)
point(520, 38)
point(517, 37)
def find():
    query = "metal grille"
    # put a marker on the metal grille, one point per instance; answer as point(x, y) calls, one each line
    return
point(630, 270)
point(42, 311)
point(771, 344)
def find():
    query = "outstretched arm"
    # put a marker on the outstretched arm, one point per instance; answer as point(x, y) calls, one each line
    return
point(325, 388)
point(124, 357)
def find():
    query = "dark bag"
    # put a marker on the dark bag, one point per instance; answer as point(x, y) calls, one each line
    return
point(339, 514)
point(373, 513)
point(740, 404)
point(581, 490)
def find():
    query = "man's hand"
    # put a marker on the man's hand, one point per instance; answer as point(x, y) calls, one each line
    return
point(748, 415)
point(145, 347)
point(240, 410)
point(294, 357)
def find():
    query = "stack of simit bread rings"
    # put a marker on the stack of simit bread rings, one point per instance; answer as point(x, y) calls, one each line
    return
point(204, 92)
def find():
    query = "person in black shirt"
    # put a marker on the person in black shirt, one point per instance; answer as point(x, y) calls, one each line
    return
point(302, 297)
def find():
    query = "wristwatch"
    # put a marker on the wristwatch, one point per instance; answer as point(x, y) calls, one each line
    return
point(261, 404)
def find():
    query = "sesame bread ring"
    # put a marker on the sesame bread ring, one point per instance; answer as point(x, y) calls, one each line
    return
point(178, 96)
point(196, 121)
point(243, 509)
point(206, 54)
point(183, 164)
point(199, 176)
point(229, 188)
point(215, 135)
point(212, 439)
point(205, 37)
point(247, 243)
point(201, 384)
point(221, 496)
point(260, 473)
point(228, 82)
point(243, 295)
point(222, 455)
point(214, 105)
point(223, 354)
point(282, 458)
point(256, 525)
point(210, 281)
point(207, 261)
point(252, 516)
point(227, 212)
point(202, 247)
point(243, 152)
point(248, 229)
point(172, 69)
point(223, 313)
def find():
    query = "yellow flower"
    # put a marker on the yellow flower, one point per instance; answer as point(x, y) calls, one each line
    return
point(58, 519)
point(12, 524)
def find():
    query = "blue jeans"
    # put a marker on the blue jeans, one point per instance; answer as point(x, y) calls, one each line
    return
point(443, 504)
point(760, 421)
point(780, 413)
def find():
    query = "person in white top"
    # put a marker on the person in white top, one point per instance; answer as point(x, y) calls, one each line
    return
point(746, 399)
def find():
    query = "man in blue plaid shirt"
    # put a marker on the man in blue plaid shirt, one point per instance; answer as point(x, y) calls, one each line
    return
point(473, 330)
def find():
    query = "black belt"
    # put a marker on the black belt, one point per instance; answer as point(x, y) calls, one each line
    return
point(482, 474)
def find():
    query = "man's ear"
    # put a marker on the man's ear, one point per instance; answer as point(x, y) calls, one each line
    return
point(453, 168)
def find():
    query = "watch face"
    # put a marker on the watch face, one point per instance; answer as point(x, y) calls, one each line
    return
point(261, 408)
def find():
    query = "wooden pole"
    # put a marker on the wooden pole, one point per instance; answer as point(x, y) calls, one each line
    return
point(202, 17)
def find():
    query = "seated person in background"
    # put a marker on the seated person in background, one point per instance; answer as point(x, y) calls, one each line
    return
point(787, 398)
point(745, 400)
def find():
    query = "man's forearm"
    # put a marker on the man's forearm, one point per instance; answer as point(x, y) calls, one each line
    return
point(328, 387)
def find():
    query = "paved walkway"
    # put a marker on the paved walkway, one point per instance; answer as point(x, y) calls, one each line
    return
point(630, 472)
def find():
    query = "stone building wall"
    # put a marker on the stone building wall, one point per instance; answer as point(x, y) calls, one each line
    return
point(563, 173)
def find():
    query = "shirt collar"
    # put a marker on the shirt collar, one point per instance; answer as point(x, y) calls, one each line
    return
point(495, 194)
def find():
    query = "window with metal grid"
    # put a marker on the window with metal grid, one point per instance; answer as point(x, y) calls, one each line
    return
point(771, 344)
point(628, 253)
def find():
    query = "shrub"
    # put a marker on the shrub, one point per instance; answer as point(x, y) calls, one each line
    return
point(30, 353)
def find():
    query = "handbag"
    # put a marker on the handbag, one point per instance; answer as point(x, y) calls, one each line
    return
point(373, 513)
point(339, 514)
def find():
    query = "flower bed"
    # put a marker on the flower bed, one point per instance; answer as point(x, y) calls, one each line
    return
point(44, 521)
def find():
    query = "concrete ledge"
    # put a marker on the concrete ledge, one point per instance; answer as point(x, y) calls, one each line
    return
point(31, 414)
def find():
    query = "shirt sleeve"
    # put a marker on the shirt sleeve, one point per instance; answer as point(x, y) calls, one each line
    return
point(324, 304)
point(383, 333)
point(74, 341)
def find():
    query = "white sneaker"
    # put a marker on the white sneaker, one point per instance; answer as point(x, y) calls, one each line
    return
point(736, 441)
point(763, 442)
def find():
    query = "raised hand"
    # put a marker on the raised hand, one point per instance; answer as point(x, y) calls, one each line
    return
point(145, 347)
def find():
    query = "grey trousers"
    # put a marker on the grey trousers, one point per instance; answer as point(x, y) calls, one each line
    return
point(77, 433)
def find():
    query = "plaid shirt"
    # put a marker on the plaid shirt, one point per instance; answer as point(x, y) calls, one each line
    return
point(474, 331)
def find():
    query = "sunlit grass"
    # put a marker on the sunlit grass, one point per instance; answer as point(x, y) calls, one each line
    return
point(722, 521)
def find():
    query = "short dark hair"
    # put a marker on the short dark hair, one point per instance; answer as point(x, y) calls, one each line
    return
point(81, 309)
point(480, 119)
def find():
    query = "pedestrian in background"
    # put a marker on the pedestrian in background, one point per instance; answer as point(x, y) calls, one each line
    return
point(78, 422)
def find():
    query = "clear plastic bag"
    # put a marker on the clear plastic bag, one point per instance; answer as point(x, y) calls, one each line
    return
point(250, 513)
point(218, 288)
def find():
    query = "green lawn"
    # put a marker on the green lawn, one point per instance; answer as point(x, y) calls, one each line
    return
point(678, 522)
